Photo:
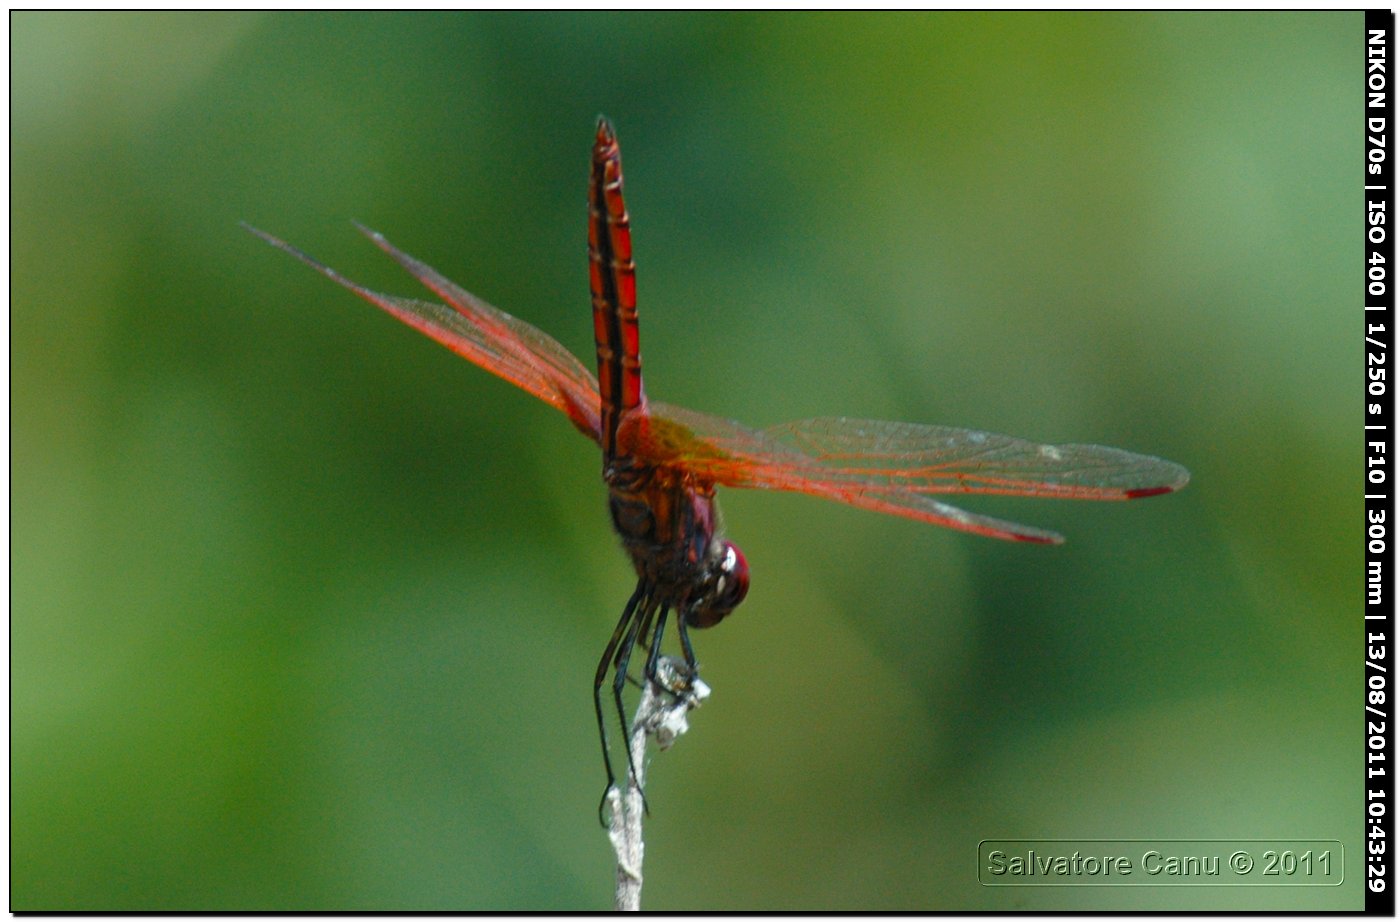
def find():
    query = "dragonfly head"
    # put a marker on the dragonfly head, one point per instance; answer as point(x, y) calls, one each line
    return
point(726, 584)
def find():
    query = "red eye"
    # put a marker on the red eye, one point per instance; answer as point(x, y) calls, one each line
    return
point(736, 577)
point(731, 584)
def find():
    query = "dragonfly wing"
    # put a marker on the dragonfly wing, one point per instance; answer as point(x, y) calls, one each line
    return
point(898, 468)
point(941, 459)
point(487, 336)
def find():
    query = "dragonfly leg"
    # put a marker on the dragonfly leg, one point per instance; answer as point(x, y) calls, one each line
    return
point(644, 634)
point(692, 667)
point(654, 647)
point(620, 663)
point(647, 640)
point(623, 623)
point(644, 640)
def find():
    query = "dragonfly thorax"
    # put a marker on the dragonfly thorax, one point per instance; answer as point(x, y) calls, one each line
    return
point(668, 524)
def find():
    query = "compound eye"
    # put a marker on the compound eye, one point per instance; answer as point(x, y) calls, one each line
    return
point(736, 577)
point(730, 586)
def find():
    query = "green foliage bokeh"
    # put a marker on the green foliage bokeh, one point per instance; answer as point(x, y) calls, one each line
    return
point(305, 609)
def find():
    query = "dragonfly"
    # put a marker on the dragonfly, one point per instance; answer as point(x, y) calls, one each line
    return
point(662, 464)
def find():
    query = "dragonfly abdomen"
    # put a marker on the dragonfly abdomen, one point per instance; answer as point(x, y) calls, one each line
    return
point(612, 280)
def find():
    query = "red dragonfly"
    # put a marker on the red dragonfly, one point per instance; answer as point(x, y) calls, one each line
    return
point(662, 464)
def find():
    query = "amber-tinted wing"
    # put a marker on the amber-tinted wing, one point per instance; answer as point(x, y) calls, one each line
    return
point(898, 468)
point(503, 345)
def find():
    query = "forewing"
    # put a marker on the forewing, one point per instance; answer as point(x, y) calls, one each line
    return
point(898, 468)
point(487, 336)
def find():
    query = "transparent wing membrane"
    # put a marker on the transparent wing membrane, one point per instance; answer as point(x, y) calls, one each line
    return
point(898, 468)
point(484, 335)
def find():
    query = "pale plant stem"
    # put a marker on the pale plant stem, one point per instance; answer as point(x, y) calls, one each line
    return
point(661, 713)
point(625, 829)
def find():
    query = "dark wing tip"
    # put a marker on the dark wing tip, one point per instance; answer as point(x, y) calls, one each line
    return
point(1049, 538)
point(1179, 478)
point(606, 135)
point(1150, 491)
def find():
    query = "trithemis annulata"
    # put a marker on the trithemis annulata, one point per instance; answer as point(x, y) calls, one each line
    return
point(662, 463)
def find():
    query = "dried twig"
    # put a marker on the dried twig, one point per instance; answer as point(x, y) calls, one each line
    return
point(662, 713)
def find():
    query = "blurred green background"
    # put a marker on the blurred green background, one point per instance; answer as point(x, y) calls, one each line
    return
point(306, 608)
